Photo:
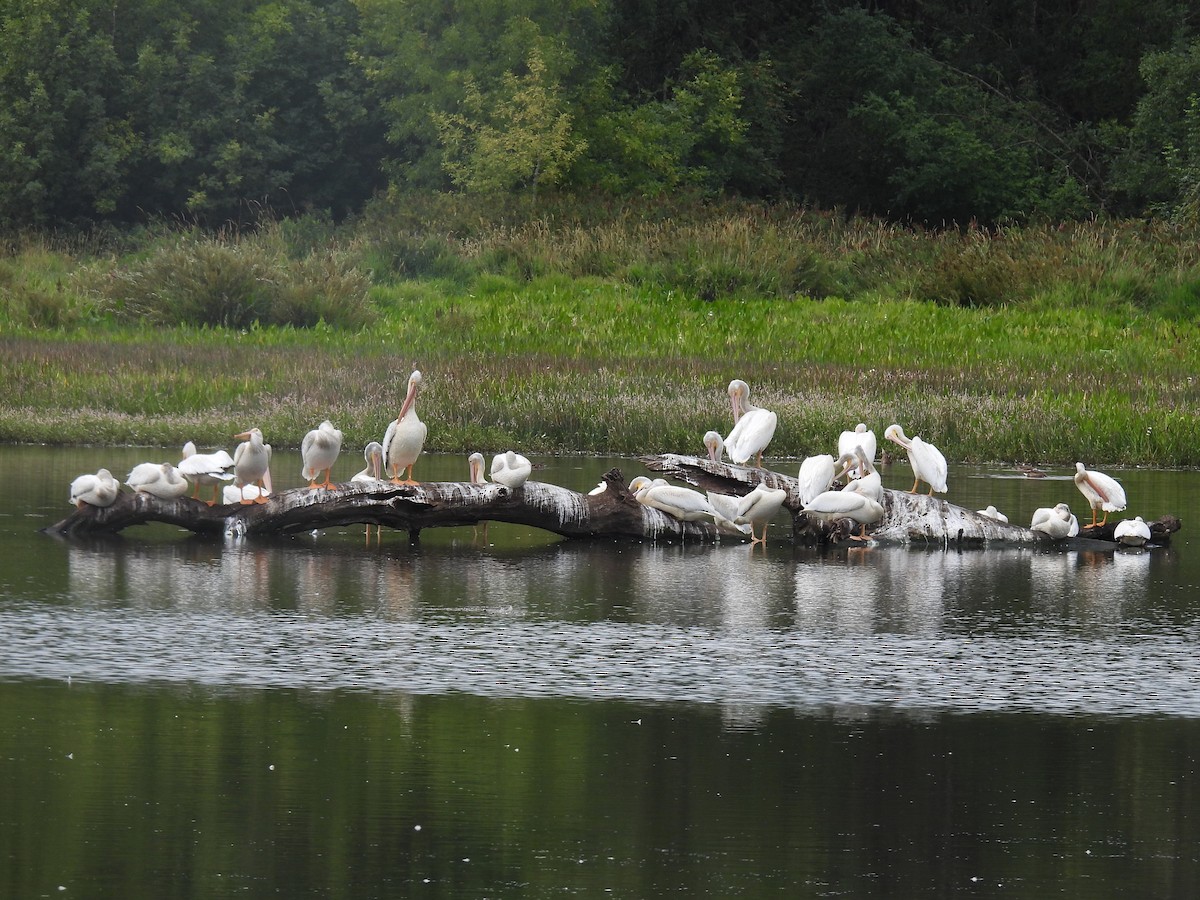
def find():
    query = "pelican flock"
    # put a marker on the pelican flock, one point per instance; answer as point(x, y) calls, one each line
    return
point(861, 500)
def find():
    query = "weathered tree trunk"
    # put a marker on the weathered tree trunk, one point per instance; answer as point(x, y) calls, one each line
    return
point(612, 512)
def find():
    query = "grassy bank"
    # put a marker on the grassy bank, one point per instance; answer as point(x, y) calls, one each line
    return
point(560, 332)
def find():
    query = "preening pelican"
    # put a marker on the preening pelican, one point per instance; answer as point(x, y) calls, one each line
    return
point(861, 436)
point(816, 474)
point(927, 462)
point(992, 513)
point(1132, 532)
point(715, 445)
point(159, 480)
point(475, 468)
point(405, 437)
point(373, 455)
point(1056, 522)
point(679, 502)
point(753, 427)
point(726, 506)
point(1102, 492)
point(100, 489)
point(205, 469)
point(319, 451)
point(758, 508)
point(510, 469)
point(860, 508)
point(869, 484)
point(252, 465)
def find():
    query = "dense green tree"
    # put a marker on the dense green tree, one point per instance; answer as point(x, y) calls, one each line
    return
point(65, 147)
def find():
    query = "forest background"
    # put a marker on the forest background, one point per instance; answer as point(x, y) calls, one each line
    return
point(607, 184)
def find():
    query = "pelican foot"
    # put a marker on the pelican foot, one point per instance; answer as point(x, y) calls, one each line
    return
point(261, 499)
point(312, 485)
point(245, 502)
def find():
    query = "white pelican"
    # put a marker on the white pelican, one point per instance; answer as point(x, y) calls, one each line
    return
point(252, 465)
point(758, 508)
point(992, 513)
point(927, 462)
point(319, 450)
point(205, 469)
point(816, 474)
point(860, 508)
point(868, 483)
point(715, 445)
point(1102, 492)
point(405, 437)
point(861, 436)
point(726, 506)
point(753, 427)
point(1132, 532)
point(1056, 522)
point(373, 455)
point(510, 469)
point(100, 489)
point(475, 468)
point(678, 502)
point(159, 480)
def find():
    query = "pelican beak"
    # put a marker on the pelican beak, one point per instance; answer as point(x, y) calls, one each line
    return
point(408, 401)
point(244, 436)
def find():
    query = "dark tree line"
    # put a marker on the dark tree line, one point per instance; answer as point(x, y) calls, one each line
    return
point(934, 111)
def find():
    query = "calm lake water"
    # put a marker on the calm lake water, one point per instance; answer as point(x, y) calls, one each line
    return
point(519, 716)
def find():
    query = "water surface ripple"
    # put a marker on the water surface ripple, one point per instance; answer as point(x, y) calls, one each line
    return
point(1050, 673)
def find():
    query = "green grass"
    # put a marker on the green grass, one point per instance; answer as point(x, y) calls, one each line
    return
point(569, 327)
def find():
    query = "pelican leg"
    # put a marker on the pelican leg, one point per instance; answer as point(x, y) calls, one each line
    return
point(328, 483)
point(216, 490)
point(262, 491)
point(913, 489)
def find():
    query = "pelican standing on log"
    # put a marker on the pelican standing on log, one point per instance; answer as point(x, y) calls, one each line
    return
point(753, 427)
point(320, 450)
point(715, 445)
point(861, 436)
point(405, 437)
point(758, 508)
point(927, 462)
point(252, 465)
point(205, 469)
point(1102, 492)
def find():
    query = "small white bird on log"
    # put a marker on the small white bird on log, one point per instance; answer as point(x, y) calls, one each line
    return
point(319, 450)
point(161, 480)
point(373, 455)
point(1056, 522)
point(1132, 532)
point(510, 469)
point(927, 462)
point(1101, 491)
point(992, 513)
point(100, 489)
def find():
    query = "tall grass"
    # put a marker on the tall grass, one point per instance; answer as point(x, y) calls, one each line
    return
point(569, 326)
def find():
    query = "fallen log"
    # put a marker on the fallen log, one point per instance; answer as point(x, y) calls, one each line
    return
point(908, 518)
point(612, 512)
